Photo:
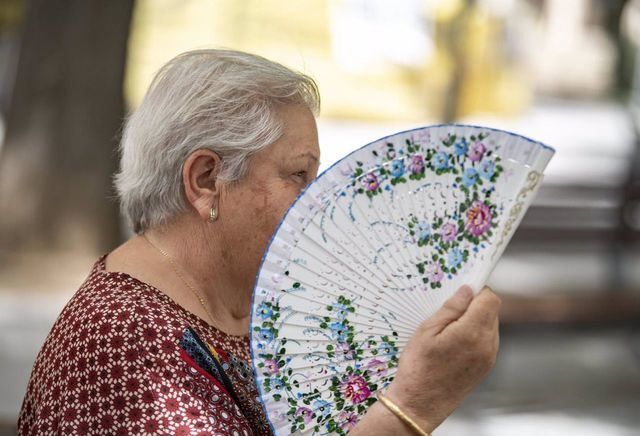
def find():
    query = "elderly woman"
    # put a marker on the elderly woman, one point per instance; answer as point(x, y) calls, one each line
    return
point(156, 338)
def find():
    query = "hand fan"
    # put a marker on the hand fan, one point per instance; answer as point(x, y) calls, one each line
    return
point(369, 250)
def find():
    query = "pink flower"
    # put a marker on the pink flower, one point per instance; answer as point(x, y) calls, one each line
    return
point(354, 388)
point(449, 232)
point(435, 273)
point(416, 166)
point(421, 137)
point(306, 413)
point(377, 366)
point(478, 218)
point(370, 182)
point(477, 151)
point(347, 420)
point(343, 349)
point(271, 366)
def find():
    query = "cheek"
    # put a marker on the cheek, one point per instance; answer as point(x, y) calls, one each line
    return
point(269, 208)
point(253, 216)
point(265, 216)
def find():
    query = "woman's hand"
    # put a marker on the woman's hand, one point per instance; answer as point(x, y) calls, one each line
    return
point(447, 356)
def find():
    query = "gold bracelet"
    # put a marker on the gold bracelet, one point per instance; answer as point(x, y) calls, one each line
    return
point(401, 415)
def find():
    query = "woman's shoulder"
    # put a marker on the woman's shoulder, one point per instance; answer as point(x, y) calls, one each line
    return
point(112, 305)
point(116, 319)
point(112, 318)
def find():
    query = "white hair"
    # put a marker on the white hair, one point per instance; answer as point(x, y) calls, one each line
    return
point(221, 100)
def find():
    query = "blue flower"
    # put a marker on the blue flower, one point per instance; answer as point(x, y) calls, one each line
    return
point(424, 231)
point(341, 311)
point(277, 383)
point(441, 160)
point(455, 258)
point(265, 311)
point(322, 407)
point(266, 334)
point(336, 326)
point(487, 169)
point(397, 168)
point(462, 147)
point(338, 331)
point(387, 350)
point(470, 177)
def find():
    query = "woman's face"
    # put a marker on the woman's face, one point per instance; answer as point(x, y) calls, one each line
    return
point(251, 209)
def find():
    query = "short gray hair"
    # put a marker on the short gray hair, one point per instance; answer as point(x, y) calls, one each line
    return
point(221, 100)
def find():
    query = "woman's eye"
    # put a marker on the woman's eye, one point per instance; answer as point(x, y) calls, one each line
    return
point(302, 174)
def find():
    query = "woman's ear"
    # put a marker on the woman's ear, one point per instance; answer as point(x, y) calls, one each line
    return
point(200, 180)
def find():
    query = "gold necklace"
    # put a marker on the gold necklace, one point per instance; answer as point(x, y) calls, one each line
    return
point(175, 269)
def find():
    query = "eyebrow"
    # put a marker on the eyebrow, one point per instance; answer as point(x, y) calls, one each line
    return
point(308, 155)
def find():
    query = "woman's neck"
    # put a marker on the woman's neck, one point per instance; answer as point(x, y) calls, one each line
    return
point(200, 259)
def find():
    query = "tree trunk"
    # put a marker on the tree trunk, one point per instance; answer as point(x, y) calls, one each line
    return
point(62, 128)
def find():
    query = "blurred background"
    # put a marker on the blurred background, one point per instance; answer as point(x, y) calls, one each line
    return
point(565, 72)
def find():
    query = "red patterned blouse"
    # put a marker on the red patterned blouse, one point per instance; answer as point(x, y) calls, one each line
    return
point(124, 358)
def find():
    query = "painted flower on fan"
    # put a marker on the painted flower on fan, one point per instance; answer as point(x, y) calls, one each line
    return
point(338, 331)
point(277, 383)
point(455, 257)
point(397, 168)
point(449, 231)
point(354, 388)
point(424, 231)
point(477, 151)
point(391, 154)
point(340, 311)
point(435, 274)
point(478, 218)
point(423, 136)
point(377, 367)
point(370, 182)
point(265, 311)
point(386, 349)
point(322, 407)
point(344, 349)
point(305, 413)
point(441, 160)
point(265, 334)
point(470, 177)
point(416, 166)
point(487, 169)
point(347, 420)
point(461, 147)
point(271, 366)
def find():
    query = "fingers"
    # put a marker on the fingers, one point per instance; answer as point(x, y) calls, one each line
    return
point(483, 310)
point(452, 310)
